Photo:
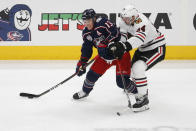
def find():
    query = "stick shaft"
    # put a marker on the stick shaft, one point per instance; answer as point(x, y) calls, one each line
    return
point(124, 84)
point(62, 82)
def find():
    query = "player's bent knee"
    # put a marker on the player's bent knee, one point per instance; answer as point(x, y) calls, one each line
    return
point(139, 69)
point(92, 76)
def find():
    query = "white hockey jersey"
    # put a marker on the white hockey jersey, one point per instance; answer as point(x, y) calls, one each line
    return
point(145, 36)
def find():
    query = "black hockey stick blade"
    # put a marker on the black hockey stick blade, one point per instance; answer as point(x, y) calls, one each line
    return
point(29, 95)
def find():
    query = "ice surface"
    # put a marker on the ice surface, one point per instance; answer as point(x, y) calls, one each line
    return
point(172, 94)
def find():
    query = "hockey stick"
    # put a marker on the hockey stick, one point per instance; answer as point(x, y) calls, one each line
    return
point(57, 85)
point(123, 81)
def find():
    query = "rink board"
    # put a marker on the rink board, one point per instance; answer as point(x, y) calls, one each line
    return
point(73, 52)
point(56, 27)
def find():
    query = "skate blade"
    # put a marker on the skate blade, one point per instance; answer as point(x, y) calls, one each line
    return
point(143, 108)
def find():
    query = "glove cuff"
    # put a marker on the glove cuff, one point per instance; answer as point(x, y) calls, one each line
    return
point(127, 46)
point(82, 61)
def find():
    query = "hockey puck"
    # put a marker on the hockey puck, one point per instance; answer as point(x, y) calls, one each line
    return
point(118, 113)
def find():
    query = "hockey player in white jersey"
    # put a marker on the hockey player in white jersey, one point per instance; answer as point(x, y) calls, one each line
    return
point(151, 49)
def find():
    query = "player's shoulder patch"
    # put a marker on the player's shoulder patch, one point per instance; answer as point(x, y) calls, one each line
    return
point(142, 20)
point(101, 21)
point(89, 38)
point(139, 20)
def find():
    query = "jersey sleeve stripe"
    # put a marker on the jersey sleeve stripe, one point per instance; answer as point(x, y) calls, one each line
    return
point(139, 38)
point(114, 37)
point(125, 35)
point(142, 33)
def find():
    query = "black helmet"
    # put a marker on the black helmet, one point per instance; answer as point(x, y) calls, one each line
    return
point(88, 13)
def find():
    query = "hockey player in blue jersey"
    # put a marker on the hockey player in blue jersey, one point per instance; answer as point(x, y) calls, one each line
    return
point(15, 28)
point(100, 32)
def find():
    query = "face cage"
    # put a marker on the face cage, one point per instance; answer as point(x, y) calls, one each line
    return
point(93, 18)
point(136, 17)
point(121, 16)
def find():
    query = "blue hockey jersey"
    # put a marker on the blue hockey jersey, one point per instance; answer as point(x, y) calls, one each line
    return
point(102, 34)
point(8, 31)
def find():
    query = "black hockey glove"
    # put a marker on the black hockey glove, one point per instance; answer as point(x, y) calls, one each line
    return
point(81, 69)
point(4, 14)
point(119, 48)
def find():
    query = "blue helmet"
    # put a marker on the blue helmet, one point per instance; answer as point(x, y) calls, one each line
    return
point(88, 13)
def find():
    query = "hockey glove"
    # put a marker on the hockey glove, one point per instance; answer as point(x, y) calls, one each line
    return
point(81, 69)
point(118, 48)
point(132, 88)
point(4, 14)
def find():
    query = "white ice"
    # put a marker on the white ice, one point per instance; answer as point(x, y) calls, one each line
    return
point(172, 94)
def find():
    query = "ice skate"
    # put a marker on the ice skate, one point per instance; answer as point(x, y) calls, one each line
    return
point(80, 95)
point(141, 104)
